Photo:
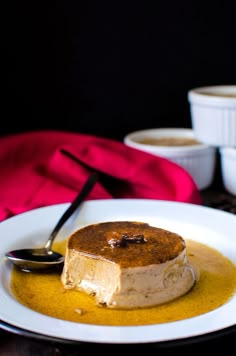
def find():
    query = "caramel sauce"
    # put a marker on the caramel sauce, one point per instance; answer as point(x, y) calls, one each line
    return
point(169, 141)
point(44, 293)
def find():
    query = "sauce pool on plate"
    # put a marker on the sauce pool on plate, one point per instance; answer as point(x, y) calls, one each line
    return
point(44, 293)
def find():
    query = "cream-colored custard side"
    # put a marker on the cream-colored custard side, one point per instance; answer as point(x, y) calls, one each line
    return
point(136, 287)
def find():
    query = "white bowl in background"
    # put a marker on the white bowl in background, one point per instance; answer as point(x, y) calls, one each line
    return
point(198, 159)
point(228, 168)
point(213, 114)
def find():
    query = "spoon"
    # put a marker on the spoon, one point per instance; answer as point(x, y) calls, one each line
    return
point(45, 257)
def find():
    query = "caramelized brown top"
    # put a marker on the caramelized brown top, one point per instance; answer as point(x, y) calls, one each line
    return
point(143, 245)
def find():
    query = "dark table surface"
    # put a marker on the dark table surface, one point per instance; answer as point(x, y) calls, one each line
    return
point(15, 342)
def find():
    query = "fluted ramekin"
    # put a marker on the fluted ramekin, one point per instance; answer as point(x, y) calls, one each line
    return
point(228, 168)
point(213, 114)
point(198, 159)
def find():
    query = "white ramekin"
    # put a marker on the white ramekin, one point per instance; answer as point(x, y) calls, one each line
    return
point(228, 168)
point(213, 114)
point(198, 160)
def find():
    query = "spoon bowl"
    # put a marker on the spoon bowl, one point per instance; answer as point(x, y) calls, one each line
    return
point(29, 259)
point(32, 259)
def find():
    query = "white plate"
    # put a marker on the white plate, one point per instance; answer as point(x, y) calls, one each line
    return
point(212, 227)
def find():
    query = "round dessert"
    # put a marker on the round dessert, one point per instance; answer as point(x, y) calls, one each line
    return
point(127, 264)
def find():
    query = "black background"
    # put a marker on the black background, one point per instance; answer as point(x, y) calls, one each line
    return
point(111, 68)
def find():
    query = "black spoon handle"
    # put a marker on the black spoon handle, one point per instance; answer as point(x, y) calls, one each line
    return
point(87, 187)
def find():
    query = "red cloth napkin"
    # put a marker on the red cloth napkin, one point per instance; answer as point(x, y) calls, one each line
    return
point(49, 167)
